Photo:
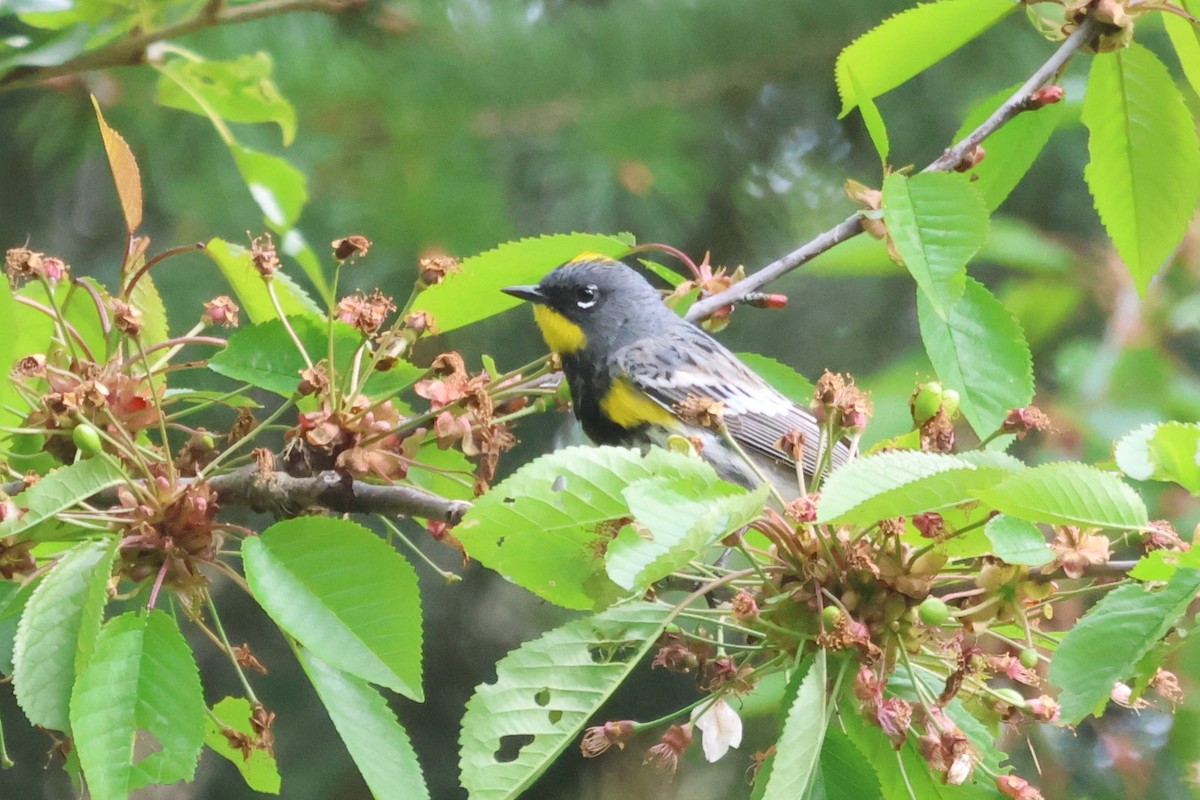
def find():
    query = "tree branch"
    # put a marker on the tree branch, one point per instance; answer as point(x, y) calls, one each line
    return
point(285, 495)
point(132, 49)
point(852, 225)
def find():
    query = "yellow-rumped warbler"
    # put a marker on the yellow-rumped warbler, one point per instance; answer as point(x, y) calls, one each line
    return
point(633, 366)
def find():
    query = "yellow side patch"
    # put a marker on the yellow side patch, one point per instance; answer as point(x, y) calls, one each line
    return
point(630, 408)
point(589, 255)
point(561, 335)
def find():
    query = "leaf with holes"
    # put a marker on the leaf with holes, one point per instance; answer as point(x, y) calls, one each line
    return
point(60, 490)
point(1108, 641)
point(907, 44)
point(547, 527)
point(979, 350)
point(124, 171)
point(544, 693)
point(1068, 493)
point(903, 482)
point(257, 767)
point(339, 590)
point(473, 291)
point(137, 711)
point(242, 90)
point(1144, 159)
point(57, 632)
point(937, 222)
point(376, 741)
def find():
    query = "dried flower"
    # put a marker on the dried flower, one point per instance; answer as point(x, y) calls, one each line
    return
point(720, 729)
point(221, 310)
point(668, 750)
point(1017, 788)
point(1161, 535)
point(264, 256)
point(21, 264)
point(367, 313)
point(433, 270)
point(126, 318)
point(247, 660)
point(350, 247)
point(599, 738)
point(744, 607)
point(702, 411)
point(1023, 420)
point(803, 509)
point(1075, 550)
point(1166, 685)
point(930, 524)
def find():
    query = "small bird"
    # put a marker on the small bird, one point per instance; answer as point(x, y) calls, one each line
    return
point(633, 366)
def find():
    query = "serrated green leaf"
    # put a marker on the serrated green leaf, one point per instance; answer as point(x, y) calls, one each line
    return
point(1144, 167)
point(137, 711)
point(340, 591)
point(908, 43)
point(787, 381)
point(265, 356)
point(1068, 493)
point(937, 222)
point(237, 266)
point(1185, 38)
point(899, 483)
point(980, 351)
point(1132, 453)
point(681, 523)
point(473, 293)
point(258, 769)
point(60, 490)
point(845, 772)
point(545, 527)
point(242, 90)
point(798, 750)
point(377, 742)
point(1105, 644)
point(14, 596)
point(57, 632)
point(146, 299)
point(872, 119)
point(1012, 149)
point(544, 693)
point(29, 332)
point(1017, 541)
point(1159, 566)
point(1176, 449)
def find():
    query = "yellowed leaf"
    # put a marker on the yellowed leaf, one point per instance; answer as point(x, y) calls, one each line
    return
point(125, 172)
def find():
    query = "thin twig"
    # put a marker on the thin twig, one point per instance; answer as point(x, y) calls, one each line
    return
point(852, 225)
point(132, 49)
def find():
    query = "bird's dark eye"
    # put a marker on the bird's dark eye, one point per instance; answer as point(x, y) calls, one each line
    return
point(587, 296)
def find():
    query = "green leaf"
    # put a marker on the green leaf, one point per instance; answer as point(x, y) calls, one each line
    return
point(29, 331)
point(937, 222)
point(279, 189)
point(845, 772)
point(14, 597)
point(444, 472)
point(339, 590)
point(1166, 452)
point(137, 712)
point(799, 747)
point(547, 527)
point(473, 293)
point(1105, 644)
point(237, 266)
point(259, 769)
point(1018, 541)
point(242, 90)
point(1144, 167)
point(787, 381)
point(979, 350)
point(544, 693)
point(1069, 493)
point(377, 742)
point(1158, 566)
point(57, 632)
point(908, 43)
point(1185, 37)
point(1012, 149)
point(872, 119)
point(265, 356)
point(681, 524)
point(145, 298)
point(60, 490)
point(902, 482)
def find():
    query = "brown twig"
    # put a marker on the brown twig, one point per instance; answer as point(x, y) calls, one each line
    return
point(852, 225)
point(285, 495)
point(132, 49)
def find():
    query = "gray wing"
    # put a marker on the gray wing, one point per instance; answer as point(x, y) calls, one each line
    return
point(688, 362)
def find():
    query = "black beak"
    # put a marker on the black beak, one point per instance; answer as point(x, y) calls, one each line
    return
point(531, 293)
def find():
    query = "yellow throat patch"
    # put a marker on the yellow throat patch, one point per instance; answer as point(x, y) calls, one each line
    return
point(561, 335)
point(630, 408)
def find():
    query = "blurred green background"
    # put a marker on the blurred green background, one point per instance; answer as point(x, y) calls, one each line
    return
point(708, 124)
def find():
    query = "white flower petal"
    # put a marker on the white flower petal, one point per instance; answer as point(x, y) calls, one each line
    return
point(720, 729)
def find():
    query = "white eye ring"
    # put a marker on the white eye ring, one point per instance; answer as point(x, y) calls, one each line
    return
point(588, 296)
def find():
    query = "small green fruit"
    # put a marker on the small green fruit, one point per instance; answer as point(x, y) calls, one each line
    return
point(926, 402)
point(933, 611)
point(831, 615)
point(950, 402)
point(1010, 696)
point(87, 440)
point(1029, 657)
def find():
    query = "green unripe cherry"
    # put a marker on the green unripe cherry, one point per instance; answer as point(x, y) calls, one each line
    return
point(831, 615)
point(950, 402)
point(933, 611)
point(926, 402)
point(1029, 657)
point(87, 440)
point(1010, 696)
